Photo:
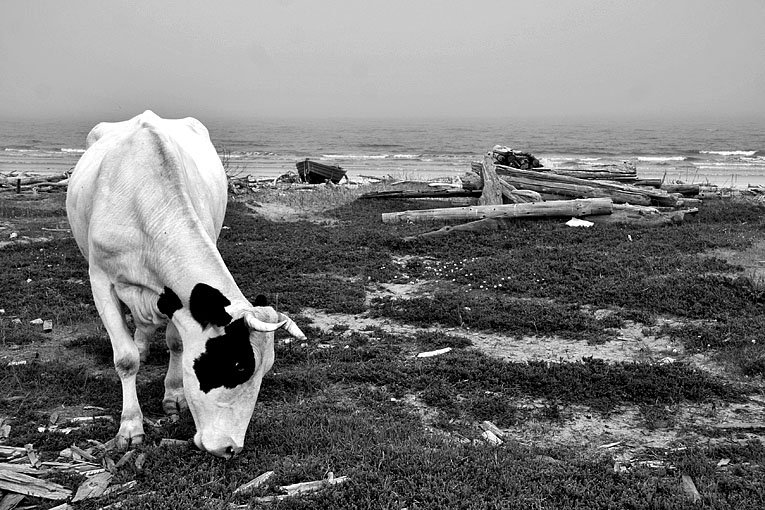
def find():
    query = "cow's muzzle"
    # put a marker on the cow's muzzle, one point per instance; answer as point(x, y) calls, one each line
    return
point(222, 446)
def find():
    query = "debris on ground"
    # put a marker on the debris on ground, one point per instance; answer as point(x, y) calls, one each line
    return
point(437, 352)
point(512, 184)
point(23, 473)
point(255, 483)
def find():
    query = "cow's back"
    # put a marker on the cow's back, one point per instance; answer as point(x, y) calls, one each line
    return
point(145, 173)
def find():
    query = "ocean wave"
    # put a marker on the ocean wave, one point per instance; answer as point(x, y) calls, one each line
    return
point(659, 159)
point(354, 156)
point(77, 151)
point(11, 149)
point(730, 153)
point(406, 156)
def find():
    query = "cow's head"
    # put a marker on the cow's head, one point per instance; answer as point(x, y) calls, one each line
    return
point(224, 366)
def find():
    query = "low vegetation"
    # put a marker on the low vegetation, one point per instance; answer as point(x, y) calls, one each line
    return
point(358, 402)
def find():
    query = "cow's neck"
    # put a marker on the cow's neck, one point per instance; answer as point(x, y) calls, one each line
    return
point(188, 258)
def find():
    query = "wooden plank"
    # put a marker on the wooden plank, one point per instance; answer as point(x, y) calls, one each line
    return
point(30, 486)
point(579, 207)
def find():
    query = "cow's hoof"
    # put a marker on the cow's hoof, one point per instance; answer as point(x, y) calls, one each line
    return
point(174, 405)
point(126, 442)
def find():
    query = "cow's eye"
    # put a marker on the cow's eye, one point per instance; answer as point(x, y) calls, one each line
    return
point(238, 367)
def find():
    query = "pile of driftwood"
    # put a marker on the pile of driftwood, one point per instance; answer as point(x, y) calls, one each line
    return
point(30, 181)
point(505, 192)
point(513, 158)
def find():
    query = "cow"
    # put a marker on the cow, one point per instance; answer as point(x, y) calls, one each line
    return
point(146, 203)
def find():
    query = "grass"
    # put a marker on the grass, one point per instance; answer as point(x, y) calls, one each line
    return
point(346, 406)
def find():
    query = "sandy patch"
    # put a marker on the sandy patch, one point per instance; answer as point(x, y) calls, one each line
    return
point(752, 260)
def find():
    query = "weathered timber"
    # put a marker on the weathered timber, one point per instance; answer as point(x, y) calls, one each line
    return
point(644, 216)
point(579, 207)
point(93, 487)
point(472, 181)
point(604, 174)
point(254, 484)
point(688, 190)
point(10, 501)
point(492, 186)
point(20, 483)
point(433, 193)
point(653, 183)
point(543, 182)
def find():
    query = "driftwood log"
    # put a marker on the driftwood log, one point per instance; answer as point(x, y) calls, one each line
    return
point(622, 214)
point(579, 207)
point(492, 186)
point(542, 182)
point(432, 193)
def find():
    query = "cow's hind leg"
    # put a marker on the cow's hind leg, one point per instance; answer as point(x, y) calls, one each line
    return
point(143, 334)
point(175, 400)
point(126, 357)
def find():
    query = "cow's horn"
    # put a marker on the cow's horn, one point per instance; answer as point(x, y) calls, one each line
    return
point(264, 327)
point(291, 327)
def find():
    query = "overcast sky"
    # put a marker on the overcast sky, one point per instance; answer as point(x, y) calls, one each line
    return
point(391, 58)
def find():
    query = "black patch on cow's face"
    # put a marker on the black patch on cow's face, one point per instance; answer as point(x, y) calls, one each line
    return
point(208, 306)
point(169, 302)
point(260, 300)
point(228, 360)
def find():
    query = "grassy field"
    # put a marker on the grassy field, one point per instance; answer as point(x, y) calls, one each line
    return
point(615, 359)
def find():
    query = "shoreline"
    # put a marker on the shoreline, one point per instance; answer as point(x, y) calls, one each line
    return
point(360, 171)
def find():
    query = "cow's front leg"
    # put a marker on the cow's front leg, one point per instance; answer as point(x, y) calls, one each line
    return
point(126, 356)
point(175, 400)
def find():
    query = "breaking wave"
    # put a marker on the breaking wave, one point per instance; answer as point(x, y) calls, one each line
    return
point(658, 159)
point(730, 153)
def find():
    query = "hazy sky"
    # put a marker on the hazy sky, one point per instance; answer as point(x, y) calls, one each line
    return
point(113, 59)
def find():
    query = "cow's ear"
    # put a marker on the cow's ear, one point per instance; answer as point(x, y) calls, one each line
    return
point(169, 303)
point(208, 306)
point(260, 300)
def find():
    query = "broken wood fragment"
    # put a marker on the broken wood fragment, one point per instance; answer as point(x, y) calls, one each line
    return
point(93, 487)
point(62, 506)
point(20, 468)
point(10, 501)
point(34, 460)
point(491, 438)
point(175, 442)
point(690, 489)
point(305, 487)
point(12, 481)
point(437, 352)
point(120, 489)
point(489, 426)
point(125, 458)
point(82, 453)
point(255, 483)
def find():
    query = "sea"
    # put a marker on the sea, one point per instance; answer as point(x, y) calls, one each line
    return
point(725, 152)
